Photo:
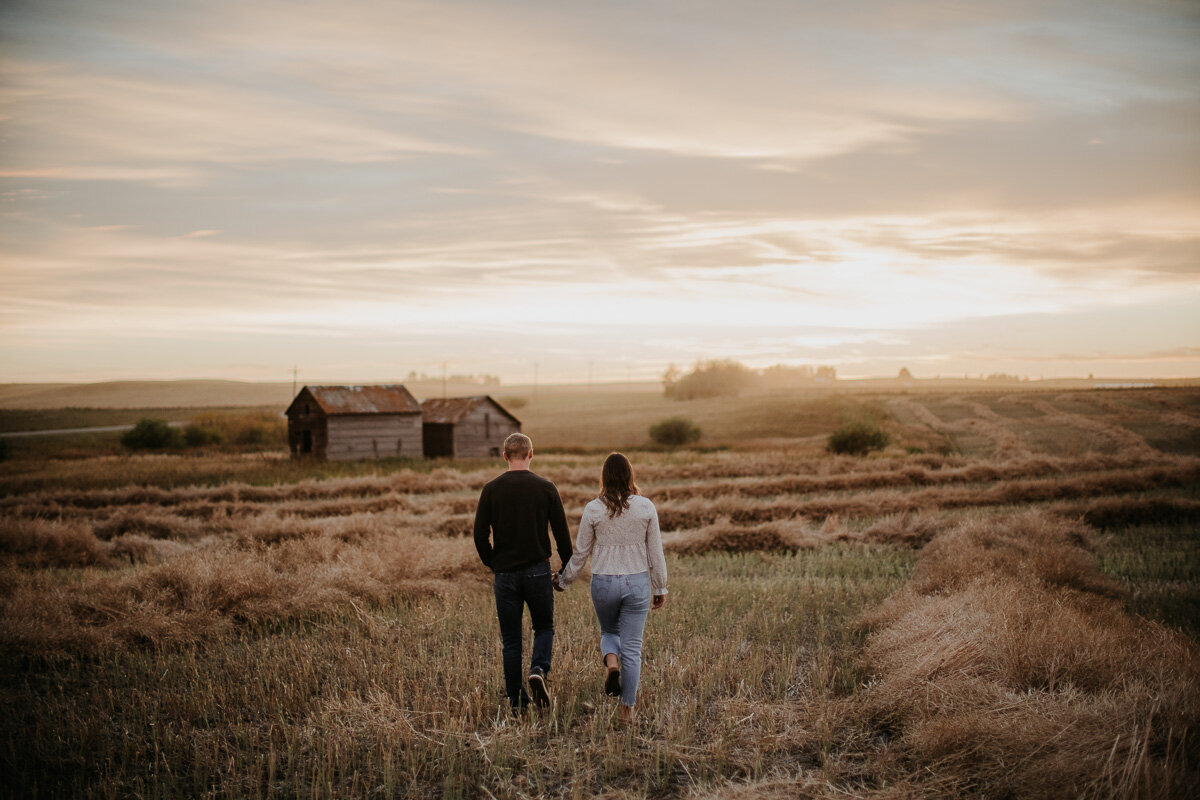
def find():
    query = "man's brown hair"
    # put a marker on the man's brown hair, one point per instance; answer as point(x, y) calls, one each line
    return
point(517, 445)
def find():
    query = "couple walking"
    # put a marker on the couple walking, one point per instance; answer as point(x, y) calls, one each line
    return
point(619, 530)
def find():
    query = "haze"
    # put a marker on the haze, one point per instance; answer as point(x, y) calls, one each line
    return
point(231, 189)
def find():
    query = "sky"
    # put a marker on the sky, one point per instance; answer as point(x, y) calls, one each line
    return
point(595, 190)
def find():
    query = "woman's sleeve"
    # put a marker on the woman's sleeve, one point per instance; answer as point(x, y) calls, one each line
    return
point(654, 553)
point(583, 549)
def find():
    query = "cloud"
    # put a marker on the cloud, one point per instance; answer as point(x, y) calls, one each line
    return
point(733, 179)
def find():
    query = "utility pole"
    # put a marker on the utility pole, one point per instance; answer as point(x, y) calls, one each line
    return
point(295, 370)
point(535, 379)
point(590, 364)
point(443, 380)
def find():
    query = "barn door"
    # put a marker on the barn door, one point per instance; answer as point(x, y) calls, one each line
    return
point(439, 439)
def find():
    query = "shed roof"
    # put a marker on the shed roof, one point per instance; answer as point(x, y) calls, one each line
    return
point(453, 409)
point(339, 400)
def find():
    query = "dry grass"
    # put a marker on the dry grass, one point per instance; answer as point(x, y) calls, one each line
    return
point(725, 537)
point(272, 636)
point(264, 573)
point(1118, 512)
point(1119, 438)
point(1008, 668)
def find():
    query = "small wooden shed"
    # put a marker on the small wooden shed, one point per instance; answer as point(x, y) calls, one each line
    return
point(466, 427)
point(339, 423)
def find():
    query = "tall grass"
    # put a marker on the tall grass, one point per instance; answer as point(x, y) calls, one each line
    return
point(747, 671)
point(1008, 668)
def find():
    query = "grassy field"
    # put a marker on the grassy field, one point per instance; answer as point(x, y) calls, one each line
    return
point(1003, 604)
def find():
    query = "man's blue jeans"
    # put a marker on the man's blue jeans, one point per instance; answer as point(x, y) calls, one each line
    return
point(514, 590)
point(622, 603)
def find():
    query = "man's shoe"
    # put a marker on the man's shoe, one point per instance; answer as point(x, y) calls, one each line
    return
point(612, 684)
point(537, 686)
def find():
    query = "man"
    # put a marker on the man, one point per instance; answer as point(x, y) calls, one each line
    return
point(516, 508)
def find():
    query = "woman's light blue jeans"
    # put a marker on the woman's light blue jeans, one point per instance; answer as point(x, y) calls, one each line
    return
point(622, 603)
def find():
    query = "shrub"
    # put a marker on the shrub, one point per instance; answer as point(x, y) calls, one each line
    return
point(858, 438)
point(151, 434)
point(248, 428)
point(198, 435)
point(674, 432)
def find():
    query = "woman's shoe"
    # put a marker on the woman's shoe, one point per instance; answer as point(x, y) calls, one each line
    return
point(612, 684)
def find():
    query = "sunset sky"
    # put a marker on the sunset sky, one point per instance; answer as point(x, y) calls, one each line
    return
point(203, 188)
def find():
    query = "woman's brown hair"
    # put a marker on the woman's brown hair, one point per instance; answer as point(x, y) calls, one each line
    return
point(618, 485)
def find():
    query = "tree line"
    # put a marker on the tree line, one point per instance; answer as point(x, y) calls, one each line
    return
point(718, 377)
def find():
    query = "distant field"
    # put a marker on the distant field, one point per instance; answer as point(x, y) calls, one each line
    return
point(974, 423)
point(1005, 603)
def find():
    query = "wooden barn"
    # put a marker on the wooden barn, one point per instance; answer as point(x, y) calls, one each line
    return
point(466, 427)
point(339, 423)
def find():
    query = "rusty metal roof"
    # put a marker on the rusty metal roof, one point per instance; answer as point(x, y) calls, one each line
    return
point(453, 409)
point(338, 400)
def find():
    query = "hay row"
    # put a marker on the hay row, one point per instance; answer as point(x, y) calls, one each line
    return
point(697, 513)
point(1008, 668)
point(221, 585)
point(447, 491)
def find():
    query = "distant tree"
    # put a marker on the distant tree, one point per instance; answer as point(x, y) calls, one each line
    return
point(674, 432)
point(826, 373)
point(904, 375)
point(782, 376)
point(670, 380)
point(714, 379)
point(857, 438)
point(151, 434)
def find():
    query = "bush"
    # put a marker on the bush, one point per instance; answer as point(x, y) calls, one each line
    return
point(858, 438)
point(674, 432)
point(199, 435)
point(152, 434)
point(247, 428)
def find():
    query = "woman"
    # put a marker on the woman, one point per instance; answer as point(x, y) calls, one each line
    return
point(629, 574)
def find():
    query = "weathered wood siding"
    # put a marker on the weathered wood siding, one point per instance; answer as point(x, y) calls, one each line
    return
point(481, 432)
point(306, 424)
point(314, 426)
point(373, 436)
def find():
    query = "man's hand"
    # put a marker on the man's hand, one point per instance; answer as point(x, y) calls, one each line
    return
point(555, 584)
point(659, 601)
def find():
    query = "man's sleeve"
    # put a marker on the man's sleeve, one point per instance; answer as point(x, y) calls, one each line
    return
point(483, 528)
point(558, 526)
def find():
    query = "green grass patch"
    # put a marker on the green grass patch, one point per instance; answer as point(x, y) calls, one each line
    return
point(1159, 565)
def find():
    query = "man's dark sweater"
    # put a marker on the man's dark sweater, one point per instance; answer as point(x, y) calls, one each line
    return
point(516, 508)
